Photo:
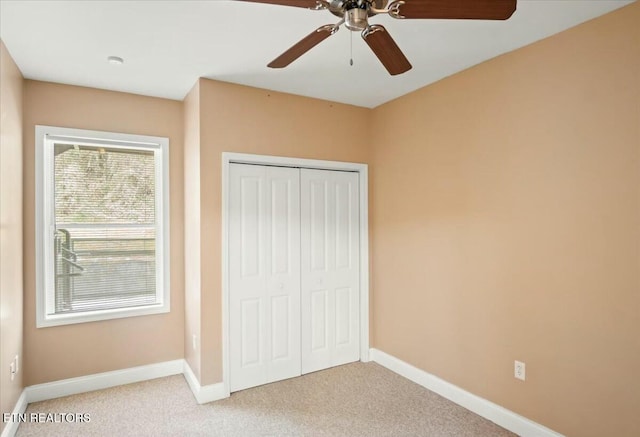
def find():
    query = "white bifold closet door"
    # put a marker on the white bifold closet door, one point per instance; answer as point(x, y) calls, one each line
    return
point(293, 272)
point(330, 261)
point(264, 276)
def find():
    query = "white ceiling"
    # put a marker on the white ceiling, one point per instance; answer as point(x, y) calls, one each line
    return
point(168, 44)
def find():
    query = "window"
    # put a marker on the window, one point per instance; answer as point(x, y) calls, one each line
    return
point(102, 230)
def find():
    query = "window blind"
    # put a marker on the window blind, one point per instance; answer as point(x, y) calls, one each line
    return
point(105, 228)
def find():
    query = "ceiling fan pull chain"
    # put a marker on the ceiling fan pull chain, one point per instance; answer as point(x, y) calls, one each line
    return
point(351, 60)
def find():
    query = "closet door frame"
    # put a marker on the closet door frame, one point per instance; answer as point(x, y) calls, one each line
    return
point(362, 170)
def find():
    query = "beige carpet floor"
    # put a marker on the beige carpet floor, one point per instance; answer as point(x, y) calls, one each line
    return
point(359, 399)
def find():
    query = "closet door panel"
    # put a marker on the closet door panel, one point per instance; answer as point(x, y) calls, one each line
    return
point(330, 269)
point(247, 274)
point(283, 275)
point(264, 275)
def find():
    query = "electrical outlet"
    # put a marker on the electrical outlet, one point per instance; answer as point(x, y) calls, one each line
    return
point(519, 370)
point(195, 344)
point(12, 369)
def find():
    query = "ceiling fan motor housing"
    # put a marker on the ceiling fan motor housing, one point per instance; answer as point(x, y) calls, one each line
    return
point(356, 19)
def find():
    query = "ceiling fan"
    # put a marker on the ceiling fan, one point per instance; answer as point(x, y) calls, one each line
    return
point(355, 14)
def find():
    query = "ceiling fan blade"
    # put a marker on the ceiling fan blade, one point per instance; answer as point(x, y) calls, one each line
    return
point(386, 49)
point(454, 9)
point(303, 46)
point(310, 4)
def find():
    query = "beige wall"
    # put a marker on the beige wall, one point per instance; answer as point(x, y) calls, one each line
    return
point(505, 221)
point(10, 228)
point(73, 350)
point(236, 118)
point(192, 227)
point(504, 204)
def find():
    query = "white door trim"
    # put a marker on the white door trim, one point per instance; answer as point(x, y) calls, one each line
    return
point(363, 178)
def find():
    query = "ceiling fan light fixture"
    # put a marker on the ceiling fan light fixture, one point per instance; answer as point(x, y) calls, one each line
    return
point(356, 19)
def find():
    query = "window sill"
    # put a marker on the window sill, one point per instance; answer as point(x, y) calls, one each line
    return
point(94, 316)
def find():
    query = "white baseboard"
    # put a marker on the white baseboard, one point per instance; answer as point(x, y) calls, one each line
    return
point(482, 407)
point(11, 427)
point(99, 381)
point(207, 393)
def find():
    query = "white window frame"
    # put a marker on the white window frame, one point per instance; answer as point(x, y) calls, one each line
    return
point(45, 285)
